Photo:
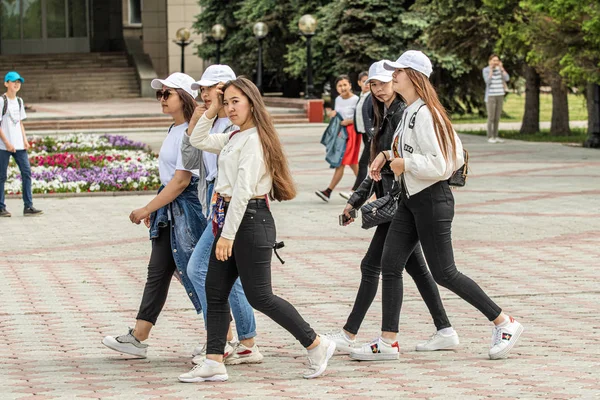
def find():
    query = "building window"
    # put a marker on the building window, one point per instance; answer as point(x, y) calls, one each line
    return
point(135, 12)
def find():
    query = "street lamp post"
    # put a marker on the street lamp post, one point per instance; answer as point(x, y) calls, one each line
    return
point(218, 33)
point(183, 40)
point(260, 30)
point(308, 26)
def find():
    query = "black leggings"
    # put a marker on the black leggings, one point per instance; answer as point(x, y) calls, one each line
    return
point(363, 162)
point(160, 271)
point(370, 268)
point(251, 261)
point(426, 217)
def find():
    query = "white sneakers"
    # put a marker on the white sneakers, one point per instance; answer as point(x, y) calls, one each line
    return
point(346, 195)
point(439, 341)
point(201, 356)
point(126, 344)
point(244, 355)
point(495, 140)
point(504, 338)
point(208, 371)
point(318, 358)
point(343, 344)
point(376, 350)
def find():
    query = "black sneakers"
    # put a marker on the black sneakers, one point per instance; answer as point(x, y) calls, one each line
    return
point(4, 212)
point(29, 211)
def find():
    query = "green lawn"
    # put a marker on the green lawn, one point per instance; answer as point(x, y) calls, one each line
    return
point(514, 105)
point(578, 135)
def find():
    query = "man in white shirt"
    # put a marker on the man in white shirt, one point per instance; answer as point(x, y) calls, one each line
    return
point(13, 142)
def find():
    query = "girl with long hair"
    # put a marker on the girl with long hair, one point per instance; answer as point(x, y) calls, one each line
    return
point(244, 349)
point(388, 108)
point(425, 152)
point(252, 169)
point(345, 107)
point(174, 217)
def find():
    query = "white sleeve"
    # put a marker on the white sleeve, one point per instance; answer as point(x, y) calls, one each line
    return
point(203, 140)
point(430, 163)
point(250, 170)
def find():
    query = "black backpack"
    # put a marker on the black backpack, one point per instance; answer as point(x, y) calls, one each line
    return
point(5, 107)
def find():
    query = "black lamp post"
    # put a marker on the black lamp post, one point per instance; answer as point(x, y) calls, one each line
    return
point(218, 33)
point(593, 140)
point(260, 30)
point(183, 36)
point(308, 26)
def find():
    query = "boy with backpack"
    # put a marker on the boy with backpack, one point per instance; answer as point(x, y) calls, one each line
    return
point(13, 142)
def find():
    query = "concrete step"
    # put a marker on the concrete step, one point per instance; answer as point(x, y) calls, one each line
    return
point(74, 76)
point(129, 122)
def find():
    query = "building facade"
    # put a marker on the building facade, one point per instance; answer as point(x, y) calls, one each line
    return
point(85, 26)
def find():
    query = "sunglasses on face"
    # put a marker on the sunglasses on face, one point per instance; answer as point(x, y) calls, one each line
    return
point(163, 94)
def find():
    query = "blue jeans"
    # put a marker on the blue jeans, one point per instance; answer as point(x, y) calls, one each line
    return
point(23, 163)
point(196, 270)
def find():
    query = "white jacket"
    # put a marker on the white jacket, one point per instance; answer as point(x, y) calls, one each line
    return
point(424, 162)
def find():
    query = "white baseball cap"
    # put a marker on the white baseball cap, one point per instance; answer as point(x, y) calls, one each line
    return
point(176, 80)
point(215, 74)
point(379, 72)
point(412, 59)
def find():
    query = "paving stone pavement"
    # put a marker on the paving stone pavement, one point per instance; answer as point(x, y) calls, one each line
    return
point(527, 229)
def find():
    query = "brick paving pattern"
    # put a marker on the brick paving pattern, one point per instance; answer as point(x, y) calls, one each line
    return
point(527, 229)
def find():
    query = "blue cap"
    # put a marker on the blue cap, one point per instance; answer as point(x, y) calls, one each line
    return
point(13, 76)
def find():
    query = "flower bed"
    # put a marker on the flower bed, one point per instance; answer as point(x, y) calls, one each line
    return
point(87, 163)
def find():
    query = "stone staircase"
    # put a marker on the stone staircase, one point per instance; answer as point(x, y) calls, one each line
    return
point(73, 76)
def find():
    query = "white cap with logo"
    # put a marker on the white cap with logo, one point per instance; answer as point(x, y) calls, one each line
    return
point(412, 59)
point(378, 72)
point(176, 80)
point(215, 74)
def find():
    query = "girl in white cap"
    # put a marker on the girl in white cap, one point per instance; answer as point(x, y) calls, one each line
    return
point(174, 217)
point(425, 152)
point(253, 168)
point(388, 109)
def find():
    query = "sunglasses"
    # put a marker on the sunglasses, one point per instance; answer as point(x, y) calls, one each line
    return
point(163, 94)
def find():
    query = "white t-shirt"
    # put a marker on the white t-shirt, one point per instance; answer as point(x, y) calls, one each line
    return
point(170, 158)
point(11, 123)
point(360, 124)
point(346, 107)
point(210, 159)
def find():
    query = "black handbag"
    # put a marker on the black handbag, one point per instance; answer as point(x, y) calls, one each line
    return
point(381, 210)
point(459, 177)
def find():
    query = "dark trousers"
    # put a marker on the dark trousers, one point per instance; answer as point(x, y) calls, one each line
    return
point(251, 261)
point(363, 162)
point(160, 271)
point(370, 268)
point(22, 161)
point(426, 217)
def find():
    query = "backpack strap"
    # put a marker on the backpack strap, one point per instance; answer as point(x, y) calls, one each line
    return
point(20, 100)
point(411, 123)
point(5, 105)
point(171, 127)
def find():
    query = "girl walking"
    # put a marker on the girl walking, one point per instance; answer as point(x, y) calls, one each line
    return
point(243, 350)
point(345, 106)
point(425, 152)
point(388, 109)
point(174, 217)
point(252, 169)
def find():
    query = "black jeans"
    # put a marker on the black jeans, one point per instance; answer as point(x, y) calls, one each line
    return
point(370, 268)
point(160, 271)
point(426, 217)
point(363, 162)
point(251, 261)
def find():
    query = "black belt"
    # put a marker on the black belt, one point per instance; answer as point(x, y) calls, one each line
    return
point(253, 203)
